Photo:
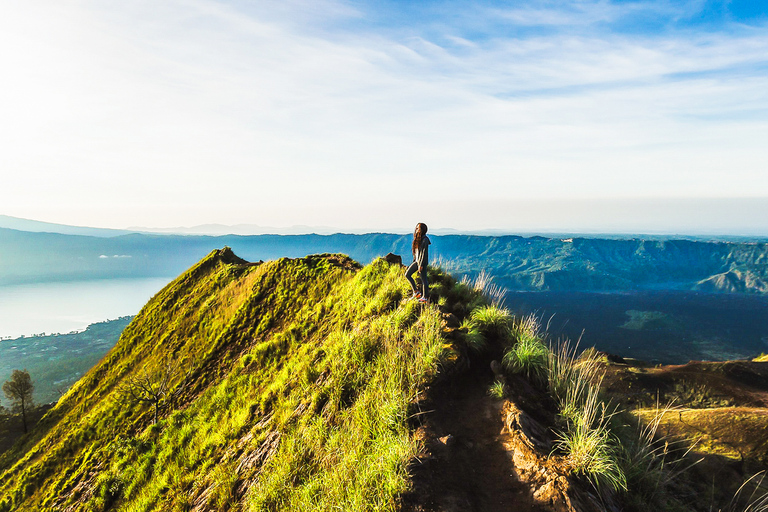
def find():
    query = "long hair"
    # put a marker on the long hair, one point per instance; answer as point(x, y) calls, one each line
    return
point(418, 236)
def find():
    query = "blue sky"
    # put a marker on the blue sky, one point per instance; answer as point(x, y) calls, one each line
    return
point(585, 115)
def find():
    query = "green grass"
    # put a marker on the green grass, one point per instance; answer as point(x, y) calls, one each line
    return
point(497, 390)
point(589, 443)
point(493, 322)
point(302, 375)
point(527, 353)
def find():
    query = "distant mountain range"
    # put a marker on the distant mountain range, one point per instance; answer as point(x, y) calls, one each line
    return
point(518, 263)
point(36, 226)
point(254, 229)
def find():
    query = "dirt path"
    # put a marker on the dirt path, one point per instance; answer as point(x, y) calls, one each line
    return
point(466, 468)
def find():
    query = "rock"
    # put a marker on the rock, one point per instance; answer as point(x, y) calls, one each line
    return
point(448, 440)
point(451, 321)
point(393, 259)
point(496, 368)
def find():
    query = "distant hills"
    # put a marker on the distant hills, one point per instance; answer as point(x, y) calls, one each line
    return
point(35, 226)
point(534, 263)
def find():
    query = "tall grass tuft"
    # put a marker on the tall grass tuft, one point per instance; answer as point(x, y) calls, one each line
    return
point(529, 357)
point(483, 283)
point(492, 321)
point(587, 439)
point(528, 354)
point(572, 376)
point(473, 338)
point(757, 500)
point(589, 444)
point(650, 460)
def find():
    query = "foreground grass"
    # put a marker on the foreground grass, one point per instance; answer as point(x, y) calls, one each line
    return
point(299, 379)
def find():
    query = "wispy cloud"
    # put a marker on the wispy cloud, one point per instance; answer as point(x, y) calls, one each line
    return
point(195, 111)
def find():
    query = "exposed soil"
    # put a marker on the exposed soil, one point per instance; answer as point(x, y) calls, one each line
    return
point(465, 466)
point(697, 384)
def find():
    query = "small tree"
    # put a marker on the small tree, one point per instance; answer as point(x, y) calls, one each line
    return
point(18, 389)
point(153, 387)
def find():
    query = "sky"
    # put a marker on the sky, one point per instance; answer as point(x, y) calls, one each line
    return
point(587, 115)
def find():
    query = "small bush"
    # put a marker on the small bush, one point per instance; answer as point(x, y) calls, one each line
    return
point(497, 390)
point(492, 321)
point(473, 338)
point(589, 445)
point(528, 356)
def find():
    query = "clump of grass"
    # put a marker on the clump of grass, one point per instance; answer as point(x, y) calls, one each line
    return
point(587, 439)
point(473, 338)
point(483, 283)
point(757, 500)
point(571, 376)
point(650, 460)
point(497, 390)
point(528, 354)
point(492, 321)
point(590, 447)
point(529, 357)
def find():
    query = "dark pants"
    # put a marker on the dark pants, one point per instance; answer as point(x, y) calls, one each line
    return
point(424, 282)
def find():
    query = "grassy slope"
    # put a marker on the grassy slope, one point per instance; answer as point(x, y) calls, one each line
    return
point(301, 376)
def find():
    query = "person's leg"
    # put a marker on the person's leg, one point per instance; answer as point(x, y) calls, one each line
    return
point(409, 272)
point(424, 284)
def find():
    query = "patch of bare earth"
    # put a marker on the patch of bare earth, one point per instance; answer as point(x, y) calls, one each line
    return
point(465, 466)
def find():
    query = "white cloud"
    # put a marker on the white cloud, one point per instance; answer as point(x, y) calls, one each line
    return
point(192, 112)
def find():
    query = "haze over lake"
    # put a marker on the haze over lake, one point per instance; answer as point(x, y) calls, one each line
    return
point(63, 307)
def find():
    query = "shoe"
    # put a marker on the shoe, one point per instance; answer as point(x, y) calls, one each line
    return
point(423, 300)
point(416, 295)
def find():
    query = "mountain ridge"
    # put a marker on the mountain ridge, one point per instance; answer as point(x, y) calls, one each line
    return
point(516, 263)
point(265, 353)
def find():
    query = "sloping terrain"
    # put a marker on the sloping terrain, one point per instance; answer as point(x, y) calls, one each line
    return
point(317, 384)
point(718, 410)
point(292, 387)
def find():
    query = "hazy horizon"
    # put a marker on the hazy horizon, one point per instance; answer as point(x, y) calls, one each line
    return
point(721, 217)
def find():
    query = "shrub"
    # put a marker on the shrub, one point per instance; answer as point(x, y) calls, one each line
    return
point(589, 445)
point(492, 321)
point(473, 338)
point(497, 390)
point(529, 357)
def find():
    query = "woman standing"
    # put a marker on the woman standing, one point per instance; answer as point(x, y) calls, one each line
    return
point(420, 250)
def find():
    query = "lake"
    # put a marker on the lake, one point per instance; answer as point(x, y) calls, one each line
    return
point(63, 307)
point(668, 327)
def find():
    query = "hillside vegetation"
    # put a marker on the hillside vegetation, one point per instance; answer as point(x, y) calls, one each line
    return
point(293, 382)
point(517, 263)
point(318, 384)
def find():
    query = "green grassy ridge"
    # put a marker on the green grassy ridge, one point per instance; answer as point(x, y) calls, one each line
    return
point(301, 378)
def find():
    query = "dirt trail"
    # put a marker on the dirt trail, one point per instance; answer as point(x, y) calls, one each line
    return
point(466, 467)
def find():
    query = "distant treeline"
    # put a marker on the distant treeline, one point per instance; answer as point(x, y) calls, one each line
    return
point(518, 263)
